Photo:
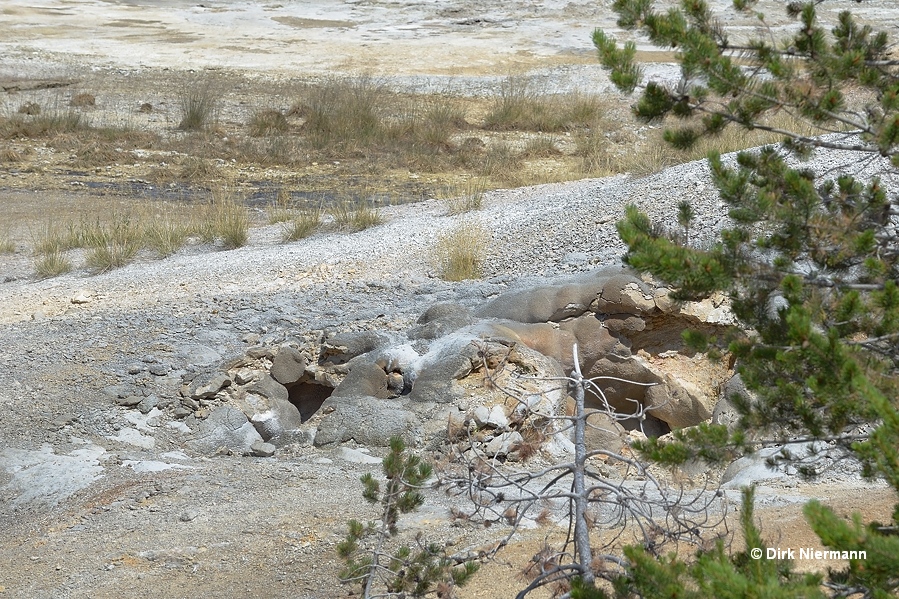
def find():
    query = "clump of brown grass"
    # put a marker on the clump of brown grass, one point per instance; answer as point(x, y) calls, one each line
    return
point(343, 111)
point(303, 224)
point(83, 100)
point(460, 252)
point(500, 161)
point(225, 219)
point(98, 146)
point(113, 240)
point(361, 118)
point(165, 234)
point(355, 216)
point(42, 124)
point(195, 168)
point(443, 114)
point(523, 105)
point(422, 126)
point(268, 121)
point(51, 238)
point(543, 146)
point(654, 154)
point(199, 103)
point(7, 245)
point(30, 108)
point(281, 209)
point(96, 154)
point(52, 264)
point(594, 151)
point(114, 254)
point(650, 158)
point(11, 155)
point(112, 244)
point(466, 196)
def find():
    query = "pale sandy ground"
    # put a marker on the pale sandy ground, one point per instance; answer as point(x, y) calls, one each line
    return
point(393, 37)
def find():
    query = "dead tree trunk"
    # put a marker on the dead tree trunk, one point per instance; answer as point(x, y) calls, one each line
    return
point(581, 532)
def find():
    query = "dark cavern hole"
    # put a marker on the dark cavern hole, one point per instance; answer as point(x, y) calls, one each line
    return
point(620, 404)
point(308, 398)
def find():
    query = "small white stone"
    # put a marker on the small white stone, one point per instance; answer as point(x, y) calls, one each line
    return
point(82, 297)
point(502, 444)
point(497, 417)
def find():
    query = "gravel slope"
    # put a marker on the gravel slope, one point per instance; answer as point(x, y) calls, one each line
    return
point(87, 511)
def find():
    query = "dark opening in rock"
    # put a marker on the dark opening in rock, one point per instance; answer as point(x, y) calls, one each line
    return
point(650, 425)
point(308, 398)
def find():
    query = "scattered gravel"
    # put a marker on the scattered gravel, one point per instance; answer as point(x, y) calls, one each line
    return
point(69, 368)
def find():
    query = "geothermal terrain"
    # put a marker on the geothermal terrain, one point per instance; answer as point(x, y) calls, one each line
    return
point(112, 481)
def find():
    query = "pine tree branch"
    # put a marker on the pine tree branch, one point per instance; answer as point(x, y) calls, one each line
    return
point(805, 139)
point(872, 340)
point(809, 439)
point(800, 57)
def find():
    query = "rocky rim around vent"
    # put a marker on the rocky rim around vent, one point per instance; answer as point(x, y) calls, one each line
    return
point(369, 385)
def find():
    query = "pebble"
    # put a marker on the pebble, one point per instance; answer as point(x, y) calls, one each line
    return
point(82, 297)
point(262, 450)
point(189, 515)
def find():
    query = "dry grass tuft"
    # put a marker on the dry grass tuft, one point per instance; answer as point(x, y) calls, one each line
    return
point(501, 162)
point(226, 220)
point(343, 111)
point(96, 154)
point(111, 244)
point(195, 169)
point(41, 125)
point(7, 245)
point(460, 252)
point(200, 101)
point(543, 146)
point(359, 118)
point(594, 150)
point(165, 235)
point(281, 209)
point(53, 239)
point(655, 154)
point(444, 111)
point(114, 254)
point(523, 105)
point(83, 100)
point(465, 197)
point(268, 121)
point(112, 240)
point(355, 216)
point(30, 108)
point(350, 132)
point(11, 155)
point(52, 264)
point(651, 158)
point(302, 224)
